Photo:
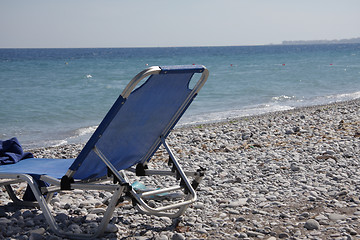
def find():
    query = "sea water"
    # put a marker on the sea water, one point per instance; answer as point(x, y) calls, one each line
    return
point(57, 96)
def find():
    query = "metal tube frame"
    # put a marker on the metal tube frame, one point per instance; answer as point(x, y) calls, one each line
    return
point(200, 83)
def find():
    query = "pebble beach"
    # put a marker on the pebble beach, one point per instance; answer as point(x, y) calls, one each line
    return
point(285, 175)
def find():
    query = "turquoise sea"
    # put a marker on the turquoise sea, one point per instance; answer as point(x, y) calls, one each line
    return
point(57, 96)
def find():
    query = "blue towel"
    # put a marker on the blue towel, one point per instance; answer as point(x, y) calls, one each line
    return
point(12, 152)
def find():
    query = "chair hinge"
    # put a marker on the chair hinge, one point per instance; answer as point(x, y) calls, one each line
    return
point(140, 169)
point(115, 178)
point(65, 183)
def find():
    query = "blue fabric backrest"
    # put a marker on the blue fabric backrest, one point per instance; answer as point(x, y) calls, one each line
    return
point(133, 133)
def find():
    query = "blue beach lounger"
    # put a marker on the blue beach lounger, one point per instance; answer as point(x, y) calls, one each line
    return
point(118, 153)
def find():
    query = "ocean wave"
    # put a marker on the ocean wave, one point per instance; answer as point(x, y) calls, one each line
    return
point(80, 135)
point(84, 131)
point(55, 143)
point(344, 96)
point(232, 114)
point(333, 98)
point(282, 98)
point(280, 103)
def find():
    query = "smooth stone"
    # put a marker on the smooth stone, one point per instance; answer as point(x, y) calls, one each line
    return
point(315, 233)
point(29, 223)
point(271, 198)
point(167, 220)
point(111, 228)
point(162, 237)
point(75, 228)
point(240, 202)
point(335, 235)
point(351, 231)
point(305, 214)
point(141, 238)
point(23, 237)
point(254, 234)
point(321, 217)
point(98, 211)
point(28, 214)
point(242, 235)
point(40, 231)
point(237, 189)
point(336, 217)
point(67, 206)
point(178, 236)
point(61, 217)
point(312, 224)
point(271, 238)
point(78, 191)
point(233, 211)
point(4, 221)
point(198, 205)
point(240, 219)
point(294, 167)
point(312, 198)
point(202, 231)
point(36, 236)
point(283, 235)
point(91, 217)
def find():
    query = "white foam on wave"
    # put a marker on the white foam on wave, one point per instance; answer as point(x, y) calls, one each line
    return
point(84, 131)
point(232, 114)
point(344, 96)
point(282, 98)
point(322, 100)
point(280, 103)
point(81, 135)
point(56, 143)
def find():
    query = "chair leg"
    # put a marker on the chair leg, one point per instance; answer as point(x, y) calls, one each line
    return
point(16, 200)
point(41, 201)
point(49, 217)
point(178, 207)
point(109, 211)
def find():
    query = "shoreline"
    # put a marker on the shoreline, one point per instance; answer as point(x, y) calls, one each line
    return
point(288, 174)
point(220, 122)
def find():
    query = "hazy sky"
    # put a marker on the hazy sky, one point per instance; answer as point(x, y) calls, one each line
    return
point(161, 23)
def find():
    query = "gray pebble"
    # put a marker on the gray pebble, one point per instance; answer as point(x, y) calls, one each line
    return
point(29, 223)
point(336, 217)
point(75, 228)
point(283, 235)
point(111, 228)
point(312, 224)
point(178, 236)
point(36, 236)
point(4, 221)
point(242, 235)
point(162, 237)
point(40, 231)
point(28, 214)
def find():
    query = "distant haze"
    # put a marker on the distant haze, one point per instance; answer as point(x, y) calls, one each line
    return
point(335, 41)
point(163, 23)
